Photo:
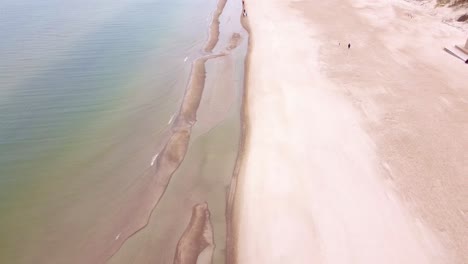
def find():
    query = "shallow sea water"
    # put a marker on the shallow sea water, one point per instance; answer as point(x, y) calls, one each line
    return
point(87, 93)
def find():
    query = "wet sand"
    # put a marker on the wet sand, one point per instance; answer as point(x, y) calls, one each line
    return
point(103, 155)
point(196, 244)
point(351, 156)
point(185, 171)
point(214, 27)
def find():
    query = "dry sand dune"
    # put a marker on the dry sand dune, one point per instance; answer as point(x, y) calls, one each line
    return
point(352, 156)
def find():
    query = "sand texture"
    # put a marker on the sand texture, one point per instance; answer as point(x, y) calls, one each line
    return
point(352, 155)
point(197, 238)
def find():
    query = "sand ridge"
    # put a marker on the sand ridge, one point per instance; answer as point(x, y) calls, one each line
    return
point(167, 161)
point(197, 238)
point(214, 27)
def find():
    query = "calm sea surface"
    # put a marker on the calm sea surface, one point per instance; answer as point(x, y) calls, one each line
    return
point(87, 88)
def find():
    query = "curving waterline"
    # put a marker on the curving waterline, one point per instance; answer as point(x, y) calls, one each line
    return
point(231, 214)
point(175, 148)
point(213, 36)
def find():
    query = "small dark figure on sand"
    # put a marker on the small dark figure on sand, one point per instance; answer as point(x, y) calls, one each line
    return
point(349, 45)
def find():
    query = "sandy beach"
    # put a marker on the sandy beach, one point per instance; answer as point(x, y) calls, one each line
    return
point(352, 155)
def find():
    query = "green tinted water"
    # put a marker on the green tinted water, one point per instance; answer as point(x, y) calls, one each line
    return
point(87, 89)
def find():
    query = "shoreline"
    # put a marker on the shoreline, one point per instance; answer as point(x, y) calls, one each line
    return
point(166, 162)
point(254, 236)
point(231, 210)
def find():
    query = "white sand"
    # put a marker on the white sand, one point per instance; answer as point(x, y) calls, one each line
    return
point(314, 186)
